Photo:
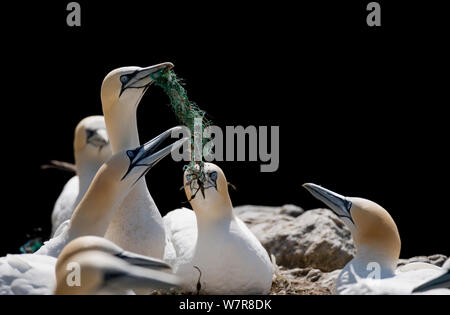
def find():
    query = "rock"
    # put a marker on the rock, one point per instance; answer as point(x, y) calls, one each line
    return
point(437, 260)
point(258, 214)
point(299, 239)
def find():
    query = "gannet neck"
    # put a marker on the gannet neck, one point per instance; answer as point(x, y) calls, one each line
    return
point(208, 216)
point(91, 149)
point(95, 211)
point(121, 124)
point(367, 254)
point(375, 229)
point(112, 184)
point(86, 173)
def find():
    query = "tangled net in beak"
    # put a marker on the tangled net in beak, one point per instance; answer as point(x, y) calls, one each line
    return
point(187, 114)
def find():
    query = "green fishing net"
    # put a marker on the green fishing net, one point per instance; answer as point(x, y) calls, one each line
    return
point(31, 246)
point(186, 112)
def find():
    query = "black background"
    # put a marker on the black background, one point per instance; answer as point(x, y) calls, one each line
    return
point(360, 110)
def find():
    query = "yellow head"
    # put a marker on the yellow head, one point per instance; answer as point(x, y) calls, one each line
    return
point(121, 92)
point(91, 142)
point(112, 183)
point(208, 198)
point(94, 265)
point(370, 224)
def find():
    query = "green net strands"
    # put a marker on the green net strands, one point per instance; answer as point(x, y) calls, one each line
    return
point(186, 111)
point(31, 246)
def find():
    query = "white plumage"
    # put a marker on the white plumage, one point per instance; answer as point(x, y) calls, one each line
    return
point(375, 234)
point(91, 150)
point(27, 274)
point(401, 283)
point(66, 203)
point(229, 258)
point(34, 273)
point(137, 225)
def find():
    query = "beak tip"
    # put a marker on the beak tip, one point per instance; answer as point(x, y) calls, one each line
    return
point(168, 66)
point(308, 185)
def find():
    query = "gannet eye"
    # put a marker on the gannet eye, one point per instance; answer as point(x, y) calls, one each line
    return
point(124, 79)
point(213, 176)
point(89, 133)
point(130, 154)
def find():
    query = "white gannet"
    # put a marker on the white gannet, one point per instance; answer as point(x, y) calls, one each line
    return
point(91, 149)
point(105, 268)
point(440, 282)
point(377, 241)
point(137, 225)
point(110, 186)
point(217, 249)
point(30, 274)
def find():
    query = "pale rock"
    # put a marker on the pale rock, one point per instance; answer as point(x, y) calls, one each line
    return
point(300, 239)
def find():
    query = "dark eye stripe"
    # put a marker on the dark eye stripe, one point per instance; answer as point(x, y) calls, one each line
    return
point(89, 133)
point(213, 176)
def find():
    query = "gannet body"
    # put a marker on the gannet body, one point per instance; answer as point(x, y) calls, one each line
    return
point(27, 274)
point(137, 225)
point(66, 203)
point(181, 231)
point(105, 268)
point(439, 284)
point(91, 150)
point(375, 234)
point(31, 274)
point(226, 257)
point(108, 189)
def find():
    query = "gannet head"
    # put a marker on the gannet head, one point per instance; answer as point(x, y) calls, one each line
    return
point(121, 92)
point(112, 183)
point(130, 83)
point(91, 142)
point(90, 242)
point(370, 224)
point(90, 265)
point(127, 167)
point(213, 200)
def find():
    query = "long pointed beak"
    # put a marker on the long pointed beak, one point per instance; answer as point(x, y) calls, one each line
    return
point(140, 278)
point(145, 155)
point(150, 157)
point(443, 281)
point(337, 203)
point(143, 261)
point(146, 76)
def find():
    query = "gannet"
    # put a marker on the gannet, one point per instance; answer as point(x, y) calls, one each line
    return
point(137, 225)
point(91, 149)
point(105, 268)
point(110, 186)
point(377, 241)
point(30, 274)
point(440, 282)
point(217, 250)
